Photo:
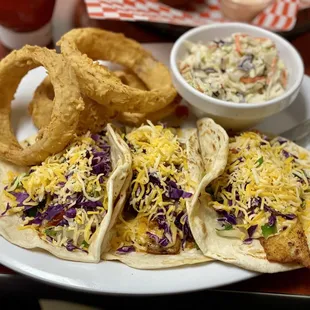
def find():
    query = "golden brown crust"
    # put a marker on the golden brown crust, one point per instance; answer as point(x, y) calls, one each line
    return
point(95, 116)
point(136, 119)
point(66, 109)
point(288, 248)
point(130, 79)
point(82, 46)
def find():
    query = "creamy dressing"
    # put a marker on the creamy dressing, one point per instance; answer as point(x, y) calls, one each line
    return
point(240, 68)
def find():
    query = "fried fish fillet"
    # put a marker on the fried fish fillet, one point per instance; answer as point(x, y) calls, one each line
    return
point(288, 248)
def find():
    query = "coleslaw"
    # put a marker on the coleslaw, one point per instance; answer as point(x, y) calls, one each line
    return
point(240, 68)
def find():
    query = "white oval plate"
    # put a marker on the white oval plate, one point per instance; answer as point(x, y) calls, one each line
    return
point(114, 277)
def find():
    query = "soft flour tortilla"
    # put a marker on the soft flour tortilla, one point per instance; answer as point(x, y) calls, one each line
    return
point(203, 219)
point(28, 238)
point(151, 261)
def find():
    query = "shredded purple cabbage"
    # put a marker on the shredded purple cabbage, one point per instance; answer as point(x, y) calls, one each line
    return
point(81, 201)
point(299, 179)
point(37, 220)
point(95, 137)
point(90, 204)
point(61, 185)
point(281, 140)
point(153, 236)
point(52, 211)
point(272, 220)
point(48, 238)
point(71, 213)
point(8, 207)
point(20, 197)
point(221, 42)
point(228, 188)
point(187, 234)
point(162, 224)
point(246, 63)
point(237, 196)
point(70, 246)
point(173, 191)
point(161, 241)
point(248, 241)
point(286, 154)
point(288, 216)
point(176, 193)
point(154, 180)
point(101, 162)
point(251, 230)
point(63, 222)
point(229, 218)
point(126, 249)
point(256, 202)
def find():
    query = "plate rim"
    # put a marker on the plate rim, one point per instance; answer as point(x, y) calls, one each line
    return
point(52, 278)
point(40, 276)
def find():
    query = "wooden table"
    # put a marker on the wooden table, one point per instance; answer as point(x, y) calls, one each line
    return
point(293, 282)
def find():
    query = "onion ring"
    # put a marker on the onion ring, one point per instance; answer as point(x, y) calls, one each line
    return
point(94, 117)
point(66, 107)
point(130, 79)
point(136, 119)
point(101, 85)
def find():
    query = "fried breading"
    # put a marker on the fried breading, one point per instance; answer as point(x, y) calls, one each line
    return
point(84, 45)
point(288, 247)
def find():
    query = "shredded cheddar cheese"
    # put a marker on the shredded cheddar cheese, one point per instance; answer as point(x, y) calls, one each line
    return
point(65, 198)
point(261, 191)
point(153, 218)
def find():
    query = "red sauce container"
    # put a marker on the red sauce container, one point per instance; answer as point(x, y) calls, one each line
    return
point(26, 22)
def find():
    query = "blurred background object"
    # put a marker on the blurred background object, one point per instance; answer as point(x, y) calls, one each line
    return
point(178, 4)
point(26, 22)
point(243, 10)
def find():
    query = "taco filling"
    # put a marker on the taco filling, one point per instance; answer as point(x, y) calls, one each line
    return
point(261, 196)
point(260, 193)
point(154, 219)
point(64, 199)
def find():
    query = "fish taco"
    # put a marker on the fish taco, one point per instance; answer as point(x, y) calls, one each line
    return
point(65, 204)
point(153, 230)
point(256, 213)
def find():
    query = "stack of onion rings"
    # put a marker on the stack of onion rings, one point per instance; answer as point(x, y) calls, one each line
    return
point(143, 91)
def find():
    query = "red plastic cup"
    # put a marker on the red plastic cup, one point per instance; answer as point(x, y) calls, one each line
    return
point(26, 22)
